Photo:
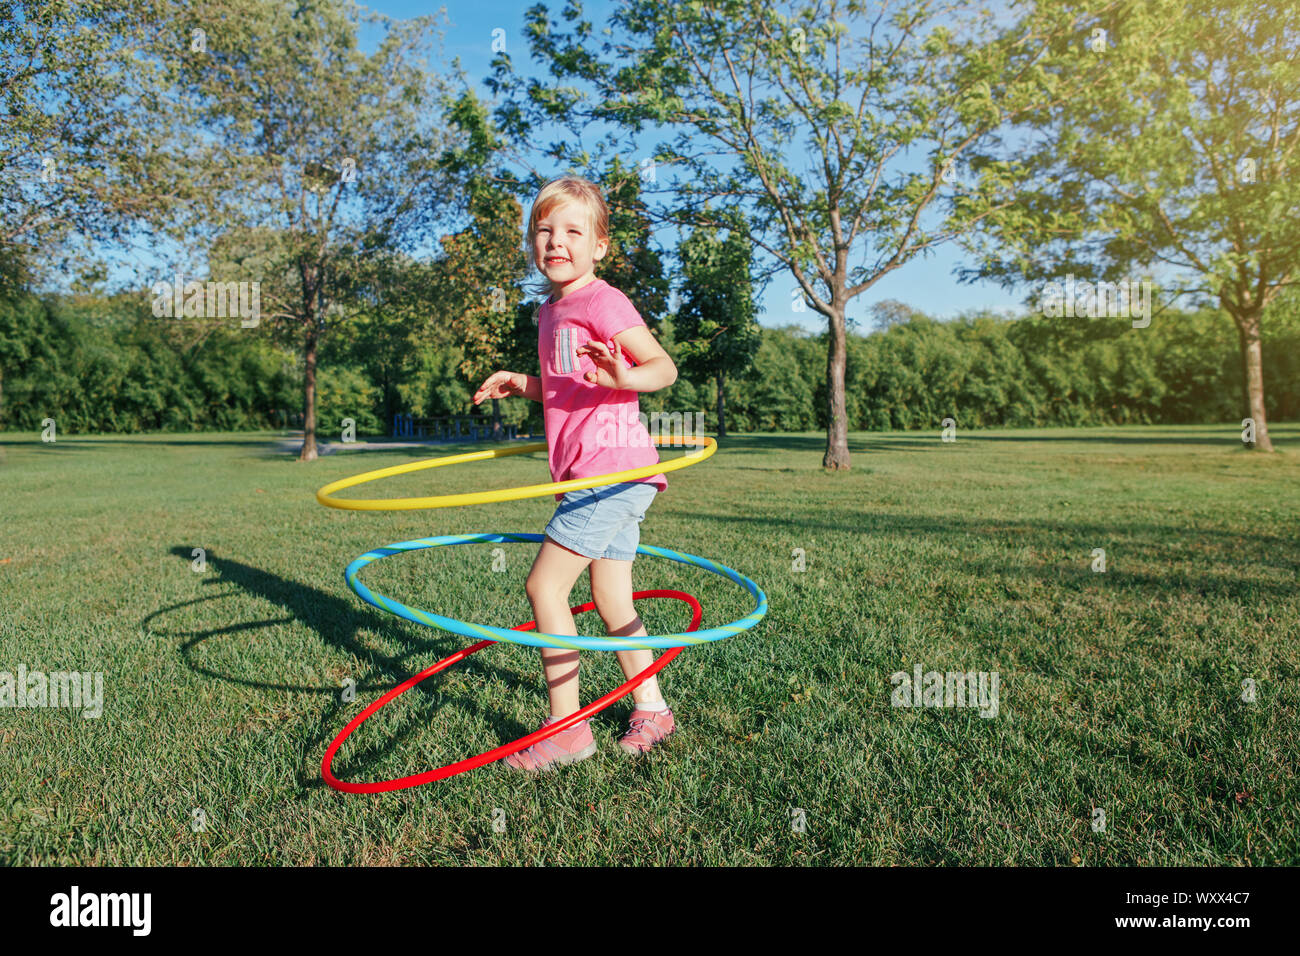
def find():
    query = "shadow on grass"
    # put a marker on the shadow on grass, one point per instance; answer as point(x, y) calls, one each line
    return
point(337, 621)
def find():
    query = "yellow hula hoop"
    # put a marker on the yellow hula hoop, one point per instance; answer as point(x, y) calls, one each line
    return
point(704, 447)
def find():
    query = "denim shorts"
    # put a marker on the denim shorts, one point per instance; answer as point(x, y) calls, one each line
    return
point(603, 522)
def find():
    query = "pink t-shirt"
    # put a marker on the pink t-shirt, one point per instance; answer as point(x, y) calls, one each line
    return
point(591, 430)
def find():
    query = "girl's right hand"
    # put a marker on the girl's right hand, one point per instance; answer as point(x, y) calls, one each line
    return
point(501, 385)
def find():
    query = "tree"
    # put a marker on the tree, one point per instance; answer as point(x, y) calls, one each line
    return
point(778, 393)
point(393, 309)
point(483, 266)
point(486, 265)
point(890, 312)
point(716, 329)
point(323, 155)
point(633, 264)
point(85, 150)
point(1178, 152)
point(886, 101)
point(22, 317)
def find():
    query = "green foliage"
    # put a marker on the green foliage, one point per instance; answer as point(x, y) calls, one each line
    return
point(1175, 152)
point(716, 327)
point(478, 280)
point(437, 388)
point(319, 156)
point(346, 393)
point(85, 149)
point(107, 365)
point(986, 371)
point(777, 392)
point(633, 264)
point(681, 396)
point(97, 366)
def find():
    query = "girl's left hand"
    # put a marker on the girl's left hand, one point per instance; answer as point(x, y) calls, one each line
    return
point(610, 371)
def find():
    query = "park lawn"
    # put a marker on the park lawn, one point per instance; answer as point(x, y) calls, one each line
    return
point(1120, 691)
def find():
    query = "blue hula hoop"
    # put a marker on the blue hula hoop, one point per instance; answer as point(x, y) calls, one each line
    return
point(535, 638)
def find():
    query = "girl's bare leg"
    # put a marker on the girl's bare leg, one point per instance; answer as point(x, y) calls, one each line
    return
point(611, 589)
point(549, 583)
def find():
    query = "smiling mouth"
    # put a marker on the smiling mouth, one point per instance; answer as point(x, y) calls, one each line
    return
point(555, 259)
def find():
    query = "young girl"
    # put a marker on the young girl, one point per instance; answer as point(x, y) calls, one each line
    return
point(587, 332)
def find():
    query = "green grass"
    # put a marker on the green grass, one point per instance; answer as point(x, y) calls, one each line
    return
point(1119, 690)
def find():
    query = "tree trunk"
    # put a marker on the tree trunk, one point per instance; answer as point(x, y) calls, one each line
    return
point(308, 452)
point(496, 419)
point(722, 407)
point(837, 435)
point(1253, 377)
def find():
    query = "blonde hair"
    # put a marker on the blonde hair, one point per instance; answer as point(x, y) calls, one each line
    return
point(559, 191)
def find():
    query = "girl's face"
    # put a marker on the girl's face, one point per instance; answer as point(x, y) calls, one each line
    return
point(564, 246)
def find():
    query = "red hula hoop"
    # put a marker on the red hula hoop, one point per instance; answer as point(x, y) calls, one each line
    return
point(460, 766)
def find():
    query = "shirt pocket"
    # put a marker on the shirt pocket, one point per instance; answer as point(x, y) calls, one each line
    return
point(564, 352)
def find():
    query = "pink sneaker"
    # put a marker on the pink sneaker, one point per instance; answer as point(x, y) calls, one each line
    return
point(646, 728)
point(568, 746)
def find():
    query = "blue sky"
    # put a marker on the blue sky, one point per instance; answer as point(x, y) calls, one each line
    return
point(927, 284)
